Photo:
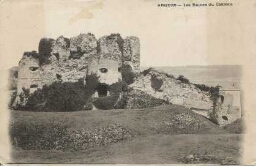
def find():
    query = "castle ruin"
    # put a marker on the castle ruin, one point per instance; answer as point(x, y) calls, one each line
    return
point(68, 60)
point(71, 59)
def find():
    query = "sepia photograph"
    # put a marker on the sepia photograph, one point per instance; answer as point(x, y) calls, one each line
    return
point(125, 82)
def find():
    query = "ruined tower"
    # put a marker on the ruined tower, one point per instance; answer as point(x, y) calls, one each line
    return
point(71, 59)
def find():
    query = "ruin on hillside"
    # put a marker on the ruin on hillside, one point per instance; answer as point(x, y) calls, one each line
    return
point(110, 58)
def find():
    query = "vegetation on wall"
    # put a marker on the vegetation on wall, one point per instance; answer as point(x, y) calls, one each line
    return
point(156, 83)
point(116, 99)
point(183, 79)
point(128, 75)
point(140, 99)
point(59, 96)
point(146, 72)
point(45, 49)
point(203, 87)
point(214, 96)
point(12, 98)
point(32, 54)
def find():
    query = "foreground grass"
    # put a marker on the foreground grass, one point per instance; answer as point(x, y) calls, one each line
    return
point(161, 149)
point(166, 134)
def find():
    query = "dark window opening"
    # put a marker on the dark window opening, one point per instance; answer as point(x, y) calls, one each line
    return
point(102, 90)
point(225, 117)
point(33, 86)
point(103, 70)
point(33, 68)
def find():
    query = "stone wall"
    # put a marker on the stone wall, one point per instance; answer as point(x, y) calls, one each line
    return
point(67, 59)
point(106, 70)
point(29, 77)
point(228, 107)
point(172, 90)
point(167, 88)
point(131, 52)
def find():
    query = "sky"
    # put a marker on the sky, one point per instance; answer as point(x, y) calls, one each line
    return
point(168, 36)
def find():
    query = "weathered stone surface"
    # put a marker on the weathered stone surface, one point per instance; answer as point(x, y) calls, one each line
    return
point(134, 50)
point(110, 48)
point(228, 108)
point(29, 78)
point(106, 70)
point(61, 49)
point(127, 55)
point(69, 59)
point(172, 90)
point(83, 45)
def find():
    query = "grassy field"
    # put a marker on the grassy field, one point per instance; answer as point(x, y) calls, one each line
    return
point(166, 134)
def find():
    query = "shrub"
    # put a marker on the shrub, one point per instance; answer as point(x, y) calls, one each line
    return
point(183, 79)
point(33, 135)
point(114, 100)
point(12, 98)
point(105, 103)
point(140, 99)
point(59, 96)
point(145, 72)
point(45, 49)
point(156, 83)
point(128, 75)
point(116, 88)
point(203, 87)
point(214, 96)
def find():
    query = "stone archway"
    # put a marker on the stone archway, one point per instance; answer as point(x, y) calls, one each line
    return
point(102, 90)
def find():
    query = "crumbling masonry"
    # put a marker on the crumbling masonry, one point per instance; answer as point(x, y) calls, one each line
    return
point(71, 59)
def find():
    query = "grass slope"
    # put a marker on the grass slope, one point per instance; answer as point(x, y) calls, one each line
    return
point(165, 134)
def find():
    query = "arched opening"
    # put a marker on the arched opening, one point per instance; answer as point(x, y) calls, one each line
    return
point(33, 68)
point(102, 90)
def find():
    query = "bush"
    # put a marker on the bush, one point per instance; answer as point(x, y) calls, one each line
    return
point(128, 75)
point(105, 103)
point(214, 96)
point(183, 79)
point(140, 99)
point(156, 83)
point(45, 49)
point(51, 136)
point(114, 100)
point(12, 98)
point(62, 96)
point(203, 87)
point(145, 72)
